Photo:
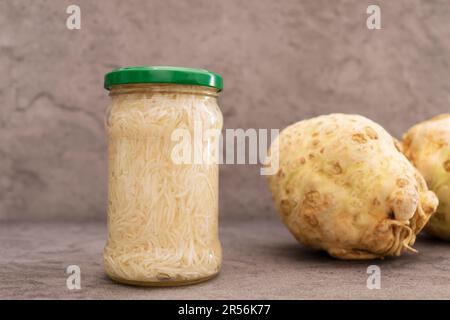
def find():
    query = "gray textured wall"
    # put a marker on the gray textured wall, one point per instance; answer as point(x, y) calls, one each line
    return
point(281, 60)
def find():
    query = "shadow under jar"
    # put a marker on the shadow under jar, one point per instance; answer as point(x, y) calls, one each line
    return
point(163, 129)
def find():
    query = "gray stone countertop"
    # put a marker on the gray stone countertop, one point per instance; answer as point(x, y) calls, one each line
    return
point(261, 261)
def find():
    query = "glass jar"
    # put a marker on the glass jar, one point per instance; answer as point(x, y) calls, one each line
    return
point(163, 197)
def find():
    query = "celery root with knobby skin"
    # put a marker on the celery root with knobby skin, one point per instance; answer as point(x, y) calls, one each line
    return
point(427, 145)
point(344, 187)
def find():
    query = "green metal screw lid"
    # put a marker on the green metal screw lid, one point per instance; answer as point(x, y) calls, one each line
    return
point(176, 75)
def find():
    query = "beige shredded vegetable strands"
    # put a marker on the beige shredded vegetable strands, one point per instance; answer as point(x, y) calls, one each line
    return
point(344, 187)
point(162, 216)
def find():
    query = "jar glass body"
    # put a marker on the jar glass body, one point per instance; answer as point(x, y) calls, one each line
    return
point(162, 203)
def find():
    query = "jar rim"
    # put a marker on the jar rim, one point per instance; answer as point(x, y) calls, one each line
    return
point(170, 88)
point(163, 74)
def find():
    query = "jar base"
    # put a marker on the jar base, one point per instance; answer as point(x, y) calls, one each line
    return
point(174, 283)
